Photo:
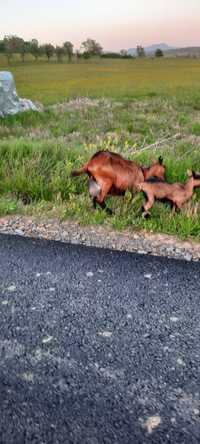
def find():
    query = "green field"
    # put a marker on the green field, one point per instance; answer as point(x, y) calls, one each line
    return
point(54, 82)
point(125, 105)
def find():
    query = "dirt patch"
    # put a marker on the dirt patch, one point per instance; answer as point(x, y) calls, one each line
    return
point(81, 103)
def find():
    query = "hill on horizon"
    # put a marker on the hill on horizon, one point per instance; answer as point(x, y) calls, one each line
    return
point(189, 51)
point(152, 48)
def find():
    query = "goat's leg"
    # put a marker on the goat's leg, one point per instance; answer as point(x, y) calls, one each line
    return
point(94, 190)
point(177, 207)
point(94, 203)
point(174, 209)
point(102, 205)
point(105, 188)
point(148, 204)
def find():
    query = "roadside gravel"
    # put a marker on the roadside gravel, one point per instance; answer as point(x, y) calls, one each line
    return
point(99, 236)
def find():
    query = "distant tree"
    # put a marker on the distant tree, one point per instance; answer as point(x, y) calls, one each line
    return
point(78, 55)
point(2, 46)
point(13, 45)
point(48, 50)
point(68, 48)
point(140, 51)
point(8, 50)
point(111, 55)
point(91, 48)
point(123, 52)
point(42, 50)
point(60, 52)
point(34, 48)
point(159, 53)
point(86, 55)
point(24, 48)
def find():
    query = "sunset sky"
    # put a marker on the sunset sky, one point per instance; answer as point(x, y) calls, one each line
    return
point(113, 23)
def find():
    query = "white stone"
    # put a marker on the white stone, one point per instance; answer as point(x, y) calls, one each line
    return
point(174, 319)
point(89, 274)
point(19, 232)
point(10, 103)
point(148, 276)
point(11, 288)
point(152, 422)
point(47, 339)
point(105, 334)
point(180, 361)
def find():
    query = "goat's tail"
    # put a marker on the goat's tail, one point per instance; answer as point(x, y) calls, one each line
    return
point(82, 170)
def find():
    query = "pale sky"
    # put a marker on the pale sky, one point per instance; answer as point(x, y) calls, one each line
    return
point(115, 24)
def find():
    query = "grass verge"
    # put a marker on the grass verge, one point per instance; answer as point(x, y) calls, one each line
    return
point(150, 100)
point(38, 174)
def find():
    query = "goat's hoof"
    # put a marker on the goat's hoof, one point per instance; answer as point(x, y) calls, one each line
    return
point(146, 215)
point(109, 212)
point(25, 198)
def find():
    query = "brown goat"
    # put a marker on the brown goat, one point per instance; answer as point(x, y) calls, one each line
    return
point(176, 193)
point(111, 174)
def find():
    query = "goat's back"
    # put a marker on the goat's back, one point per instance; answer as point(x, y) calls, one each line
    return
point(123, 173)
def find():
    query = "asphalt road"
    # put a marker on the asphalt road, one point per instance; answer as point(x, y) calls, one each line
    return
point(97, 346)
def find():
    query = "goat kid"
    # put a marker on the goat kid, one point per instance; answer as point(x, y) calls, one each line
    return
point(176, 193)
point(111, 174)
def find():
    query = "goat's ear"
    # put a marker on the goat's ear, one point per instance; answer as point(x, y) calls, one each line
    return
point(160, 160)
point(190, 173)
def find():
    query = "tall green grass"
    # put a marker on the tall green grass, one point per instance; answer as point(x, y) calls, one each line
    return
point(41, 172)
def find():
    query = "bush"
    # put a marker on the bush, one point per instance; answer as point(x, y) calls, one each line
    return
point(159, 53)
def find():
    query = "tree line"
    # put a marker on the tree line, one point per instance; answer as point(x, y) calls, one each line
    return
point(12, 44)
